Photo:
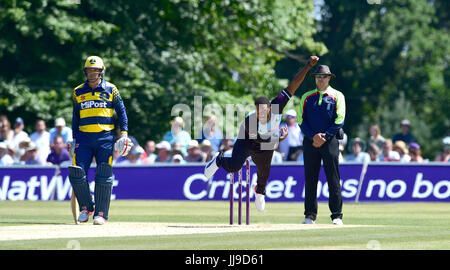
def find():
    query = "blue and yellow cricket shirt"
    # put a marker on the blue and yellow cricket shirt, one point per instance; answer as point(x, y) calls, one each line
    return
point(93, 110)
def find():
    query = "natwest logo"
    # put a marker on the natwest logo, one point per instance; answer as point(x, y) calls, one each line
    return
point(40, 188)
point(93, 104)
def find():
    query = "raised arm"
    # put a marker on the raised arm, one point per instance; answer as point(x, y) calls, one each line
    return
point(300, 76)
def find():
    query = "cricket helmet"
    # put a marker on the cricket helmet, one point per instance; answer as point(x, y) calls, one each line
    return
point(94, 62)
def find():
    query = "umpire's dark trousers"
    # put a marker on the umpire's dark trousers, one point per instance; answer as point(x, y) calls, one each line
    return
point(329, 153)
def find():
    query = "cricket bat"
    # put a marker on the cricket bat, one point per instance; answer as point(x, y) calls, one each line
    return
point(74, 205)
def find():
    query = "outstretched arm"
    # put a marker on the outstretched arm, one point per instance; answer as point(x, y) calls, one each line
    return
point(299, 77)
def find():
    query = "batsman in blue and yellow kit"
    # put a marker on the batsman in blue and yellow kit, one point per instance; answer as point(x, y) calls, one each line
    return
point(94, 103)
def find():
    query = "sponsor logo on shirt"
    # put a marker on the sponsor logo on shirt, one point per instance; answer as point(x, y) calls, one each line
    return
point(93, 104)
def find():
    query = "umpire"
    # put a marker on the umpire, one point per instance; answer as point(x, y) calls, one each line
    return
point(322, 114)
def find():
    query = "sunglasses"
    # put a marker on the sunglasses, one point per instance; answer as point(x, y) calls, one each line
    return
point(322, 76)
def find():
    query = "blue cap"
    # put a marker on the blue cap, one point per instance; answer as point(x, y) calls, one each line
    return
point(19, 120)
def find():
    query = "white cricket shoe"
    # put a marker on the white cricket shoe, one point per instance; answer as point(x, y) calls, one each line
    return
point(260, 201)
point(99, 220)
point(308, 221)
point(84, 216)
point(211, 168)
point(338, 221)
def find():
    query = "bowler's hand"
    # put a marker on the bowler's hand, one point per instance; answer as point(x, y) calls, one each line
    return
point(319, 140)
point(313, 61)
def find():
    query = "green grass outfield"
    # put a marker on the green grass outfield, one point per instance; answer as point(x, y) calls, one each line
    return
point(404, 226)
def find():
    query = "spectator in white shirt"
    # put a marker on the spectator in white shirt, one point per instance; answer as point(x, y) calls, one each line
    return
point(358, 147)
point(19, 136)
point(294, 140)
point(5, 159)
point(388, 154)
point(400, 148)
point(41, 138)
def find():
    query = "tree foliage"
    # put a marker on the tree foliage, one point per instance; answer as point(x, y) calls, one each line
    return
point(167, 52)
point(388, 55)
point(159, 53)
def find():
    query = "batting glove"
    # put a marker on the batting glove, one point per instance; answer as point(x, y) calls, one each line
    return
point(123, 145)
point(71, 147)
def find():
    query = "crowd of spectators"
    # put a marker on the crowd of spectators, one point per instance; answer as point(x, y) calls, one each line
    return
point(403, 147)
point(44, 147)
point(41, 147)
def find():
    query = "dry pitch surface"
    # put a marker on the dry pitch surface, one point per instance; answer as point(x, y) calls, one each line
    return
point(119, 229)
